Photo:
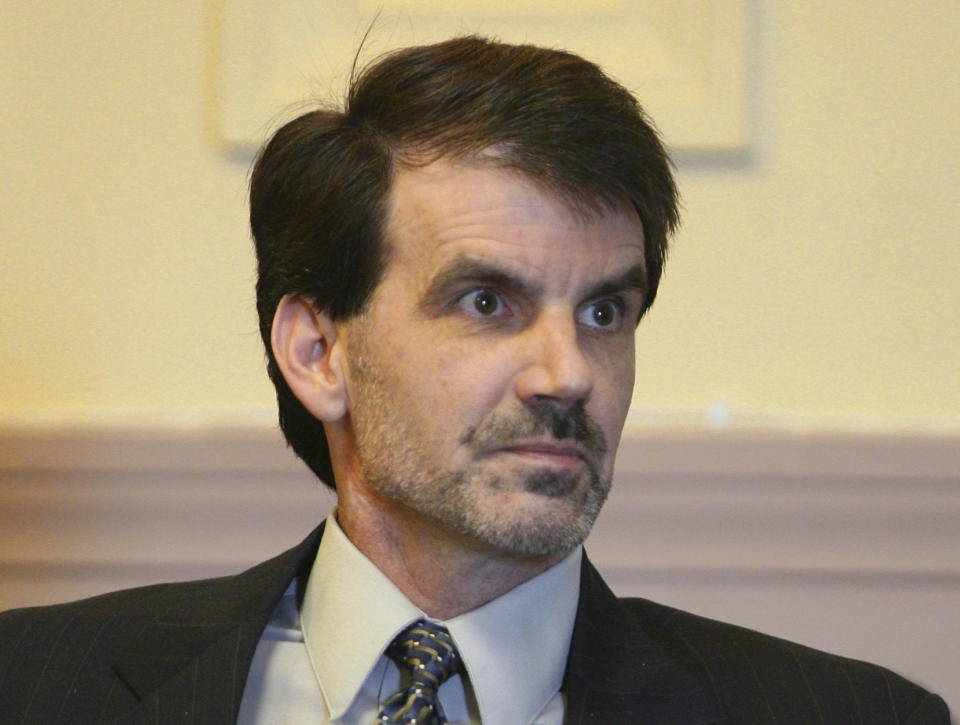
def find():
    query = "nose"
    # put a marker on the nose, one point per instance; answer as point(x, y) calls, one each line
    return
point(555, 364)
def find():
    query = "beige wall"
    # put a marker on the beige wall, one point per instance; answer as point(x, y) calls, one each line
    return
point(815, 279)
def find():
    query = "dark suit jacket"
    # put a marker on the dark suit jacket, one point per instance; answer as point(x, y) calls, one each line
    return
point(179, 653)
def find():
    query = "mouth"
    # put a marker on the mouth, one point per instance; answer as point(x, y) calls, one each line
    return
point(545, 453)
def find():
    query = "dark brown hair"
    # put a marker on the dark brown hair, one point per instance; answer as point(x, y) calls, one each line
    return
point(319, 185)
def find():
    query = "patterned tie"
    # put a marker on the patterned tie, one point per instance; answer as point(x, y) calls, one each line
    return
point(426, 656)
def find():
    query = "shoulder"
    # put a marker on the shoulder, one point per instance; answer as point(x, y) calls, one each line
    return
point(41, 628)
point(49, 652)
point(50, 655)
point(223, 598)
point(135, 603)
point(59, 662)
point(775, 679)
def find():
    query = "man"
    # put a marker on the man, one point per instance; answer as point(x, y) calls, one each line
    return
point(450, 274)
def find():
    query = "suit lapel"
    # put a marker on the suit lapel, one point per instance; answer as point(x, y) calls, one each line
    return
point(617, 674)
point(190, 661)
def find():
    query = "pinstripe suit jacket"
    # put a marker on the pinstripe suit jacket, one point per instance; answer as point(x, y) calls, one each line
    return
point(179, 653)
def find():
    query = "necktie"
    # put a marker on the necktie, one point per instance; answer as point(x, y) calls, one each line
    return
point(426, 656)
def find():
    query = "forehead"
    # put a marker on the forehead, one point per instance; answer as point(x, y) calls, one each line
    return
point(448, 209)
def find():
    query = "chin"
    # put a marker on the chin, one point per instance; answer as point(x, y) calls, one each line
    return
point(526, 523)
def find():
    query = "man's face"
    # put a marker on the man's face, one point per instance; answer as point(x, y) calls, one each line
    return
point(490, 375)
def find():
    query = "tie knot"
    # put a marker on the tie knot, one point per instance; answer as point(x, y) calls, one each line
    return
point(425, 654)
point(426, 651)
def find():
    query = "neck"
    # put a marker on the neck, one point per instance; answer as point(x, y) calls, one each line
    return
point(442, 572)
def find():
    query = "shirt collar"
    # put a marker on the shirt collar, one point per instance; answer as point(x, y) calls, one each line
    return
point(514, 647)
point(348, 599)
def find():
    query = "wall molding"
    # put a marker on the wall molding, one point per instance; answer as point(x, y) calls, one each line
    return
point(778, 506)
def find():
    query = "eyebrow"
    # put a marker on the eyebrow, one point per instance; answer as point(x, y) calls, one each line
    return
point(468, 269)
point(633, 280)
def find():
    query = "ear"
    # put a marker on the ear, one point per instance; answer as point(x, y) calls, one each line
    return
point(304, 342)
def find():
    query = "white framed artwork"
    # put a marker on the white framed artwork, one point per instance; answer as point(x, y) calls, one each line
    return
point(686, 60)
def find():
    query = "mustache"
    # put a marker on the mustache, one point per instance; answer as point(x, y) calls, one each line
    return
point(539, 417)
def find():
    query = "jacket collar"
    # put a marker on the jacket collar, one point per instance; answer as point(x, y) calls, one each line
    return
point(617, 674)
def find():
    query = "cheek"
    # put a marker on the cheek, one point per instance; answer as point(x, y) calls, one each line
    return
point(627, 377)
point(451, 388)
point(614, 367)
point(613, 389)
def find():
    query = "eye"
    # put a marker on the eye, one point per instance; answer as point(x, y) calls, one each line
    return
point(604, 314)
point(483, 302)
